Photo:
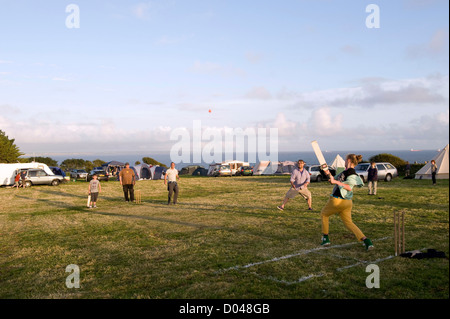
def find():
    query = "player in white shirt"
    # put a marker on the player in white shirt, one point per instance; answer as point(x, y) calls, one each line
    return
point(171, 177)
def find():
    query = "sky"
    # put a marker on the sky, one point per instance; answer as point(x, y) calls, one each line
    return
point(134, 72)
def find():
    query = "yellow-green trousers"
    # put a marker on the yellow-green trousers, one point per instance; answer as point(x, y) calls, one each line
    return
point(343, 207)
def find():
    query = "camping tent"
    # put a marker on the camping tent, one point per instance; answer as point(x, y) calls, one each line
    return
point(442, 167)
point(338, 164)
point(212, 168)
point(266, 168)
point(113, 168)
point(57, 171)
point(285, 168)
point(201, 171)
point(142, 171)
point(189, 170)
point(157, 172)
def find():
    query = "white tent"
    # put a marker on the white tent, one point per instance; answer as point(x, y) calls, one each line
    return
point(338, 164)
point(442, 167)
point(286, 168)
point(266, 168)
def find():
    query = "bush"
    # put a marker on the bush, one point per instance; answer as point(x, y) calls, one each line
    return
point(394, 160)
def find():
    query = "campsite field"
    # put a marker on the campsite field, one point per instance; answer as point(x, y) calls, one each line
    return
point(225, 239)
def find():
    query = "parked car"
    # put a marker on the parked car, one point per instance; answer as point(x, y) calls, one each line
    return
point(245, 171)
point(102, 175)
point(78, 174)
point(40, 177)
point(317, 174)
point(223, 170)
point(386, 171)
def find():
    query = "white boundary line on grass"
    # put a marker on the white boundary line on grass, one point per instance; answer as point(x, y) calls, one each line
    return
point(308, 277)
point(301, 252)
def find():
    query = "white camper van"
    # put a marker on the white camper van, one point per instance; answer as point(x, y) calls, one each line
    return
point(9, 171)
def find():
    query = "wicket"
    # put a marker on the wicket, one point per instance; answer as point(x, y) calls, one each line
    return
point(399, 232)
point(138, 196)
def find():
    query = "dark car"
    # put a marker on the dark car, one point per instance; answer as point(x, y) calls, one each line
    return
point(245, 171)
point(101, 175)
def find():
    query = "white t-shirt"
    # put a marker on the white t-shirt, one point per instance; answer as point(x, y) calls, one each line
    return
point(172, 175)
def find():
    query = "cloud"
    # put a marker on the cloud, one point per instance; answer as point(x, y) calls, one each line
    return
point(5, 62)
point(375, 92)
point(6, 108)
point(41, 135)
point(435, 47)
point(258, 93)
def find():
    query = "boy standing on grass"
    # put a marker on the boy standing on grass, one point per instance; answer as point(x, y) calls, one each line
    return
point(94, 189)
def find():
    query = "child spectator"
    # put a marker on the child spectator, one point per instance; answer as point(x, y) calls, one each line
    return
point(94, 189)
point(17, 180)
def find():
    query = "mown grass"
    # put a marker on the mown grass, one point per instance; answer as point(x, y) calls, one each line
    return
point(198, 248)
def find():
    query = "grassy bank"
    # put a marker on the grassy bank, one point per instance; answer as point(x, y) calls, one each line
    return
point(223, 240)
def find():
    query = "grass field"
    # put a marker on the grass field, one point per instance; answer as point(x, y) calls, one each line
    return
point(225, 239)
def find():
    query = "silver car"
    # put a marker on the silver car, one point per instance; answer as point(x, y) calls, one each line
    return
point(316, 174)
point(40, 177)
point(386, 171)
point(78, 174)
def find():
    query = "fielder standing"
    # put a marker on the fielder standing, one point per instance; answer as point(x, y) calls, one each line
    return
point(171, 177)
point(300, 180)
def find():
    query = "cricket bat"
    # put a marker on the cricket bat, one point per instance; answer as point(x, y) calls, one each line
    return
point(89, 200)
point(319, 155)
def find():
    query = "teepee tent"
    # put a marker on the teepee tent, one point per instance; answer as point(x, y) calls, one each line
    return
point(442, 167)
point(338, 164)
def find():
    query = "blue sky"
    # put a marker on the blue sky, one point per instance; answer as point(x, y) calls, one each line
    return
point(135, 71)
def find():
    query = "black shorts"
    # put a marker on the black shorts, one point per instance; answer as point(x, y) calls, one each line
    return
point(94, 197)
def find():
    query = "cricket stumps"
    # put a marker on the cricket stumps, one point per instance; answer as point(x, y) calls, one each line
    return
point(138, 197)
point(399, 232)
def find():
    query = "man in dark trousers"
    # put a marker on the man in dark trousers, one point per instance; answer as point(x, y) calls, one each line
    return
point(372, 178)
point(127, 180)
point(172, 177)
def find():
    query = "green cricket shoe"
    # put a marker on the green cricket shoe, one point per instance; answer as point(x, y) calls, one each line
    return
point(368, 244)
point(325, 241)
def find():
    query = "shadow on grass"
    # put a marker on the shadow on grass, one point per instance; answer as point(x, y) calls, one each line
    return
point(157, 219)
